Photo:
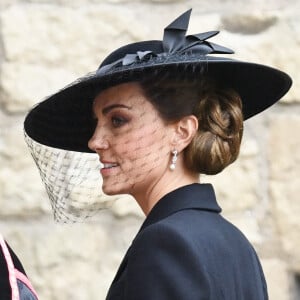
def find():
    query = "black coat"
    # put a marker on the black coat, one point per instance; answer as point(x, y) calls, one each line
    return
point(186, 250)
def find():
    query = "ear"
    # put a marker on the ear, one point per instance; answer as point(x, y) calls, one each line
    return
point(185, 130)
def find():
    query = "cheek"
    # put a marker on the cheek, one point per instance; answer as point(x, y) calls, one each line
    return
point(144, 150)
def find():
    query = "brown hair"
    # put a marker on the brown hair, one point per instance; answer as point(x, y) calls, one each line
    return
point(219, 112)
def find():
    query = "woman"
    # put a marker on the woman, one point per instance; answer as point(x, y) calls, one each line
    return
point(158, 114)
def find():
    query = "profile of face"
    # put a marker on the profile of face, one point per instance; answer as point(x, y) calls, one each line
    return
point(132, 140)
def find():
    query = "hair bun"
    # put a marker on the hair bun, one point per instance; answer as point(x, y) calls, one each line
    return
point(218, 139)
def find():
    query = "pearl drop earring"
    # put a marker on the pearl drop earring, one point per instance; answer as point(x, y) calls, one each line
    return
point(173, 161)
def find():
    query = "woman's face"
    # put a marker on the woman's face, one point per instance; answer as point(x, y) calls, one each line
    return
point(131, 139)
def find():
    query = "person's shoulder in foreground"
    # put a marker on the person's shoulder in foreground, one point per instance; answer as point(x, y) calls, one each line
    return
point(14, 283)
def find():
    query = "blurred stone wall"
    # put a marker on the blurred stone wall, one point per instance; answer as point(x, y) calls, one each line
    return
point(46, 44)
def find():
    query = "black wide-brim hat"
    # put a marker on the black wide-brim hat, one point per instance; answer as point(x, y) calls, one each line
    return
point(64, 120)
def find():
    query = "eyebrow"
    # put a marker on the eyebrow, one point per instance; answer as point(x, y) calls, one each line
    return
point(107, 109)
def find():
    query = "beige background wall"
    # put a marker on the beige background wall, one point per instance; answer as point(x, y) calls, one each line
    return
point(46, 44)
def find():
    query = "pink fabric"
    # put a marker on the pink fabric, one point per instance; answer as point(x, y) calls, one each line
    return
point(14, 274)
point(11, 270)
point(26, 281)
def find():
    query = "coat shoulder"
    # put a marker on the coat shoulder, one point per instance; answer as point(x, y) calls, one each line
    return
point(200, 227)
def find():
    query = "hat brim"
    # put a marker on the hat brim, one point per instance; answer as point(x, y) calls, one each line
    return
point(64, 120)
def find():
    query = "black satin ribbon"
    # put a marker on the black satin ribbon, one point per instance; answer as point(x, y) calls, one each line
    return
point(176, 42)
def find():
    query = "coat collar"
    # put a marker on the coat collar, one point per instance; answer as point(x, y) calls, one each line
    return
point(193, 196)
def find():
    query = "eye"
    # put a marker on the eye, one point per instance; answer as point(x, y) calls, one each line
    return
point(118, 121)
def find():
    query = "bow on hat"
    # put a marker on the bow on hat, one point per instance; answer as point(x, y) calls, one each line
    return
point(174, 42)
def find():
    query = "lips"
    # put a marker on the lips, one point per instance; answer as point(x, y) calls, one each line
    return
point(109, 165)
point(108, 168)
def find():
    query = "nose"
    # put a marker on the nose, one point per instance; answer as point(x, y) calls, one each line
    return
point(98, 141)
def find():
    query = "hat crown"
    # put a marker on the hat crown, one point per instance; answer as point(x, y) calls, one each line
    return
point(175, 43)
point(155, 46)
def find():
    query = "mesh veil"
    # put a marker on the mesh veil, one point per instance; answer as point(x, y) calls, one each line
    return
point(72, 182)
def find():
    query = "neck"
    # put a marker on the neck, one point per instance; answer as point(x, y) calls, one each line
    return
point(169, 181)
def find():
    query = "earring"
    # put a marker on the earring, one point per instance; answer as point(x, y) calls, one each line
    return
point(173, 161)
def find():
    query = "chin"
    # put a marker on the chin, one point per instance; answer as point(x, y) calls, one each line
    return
point(112, 190)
